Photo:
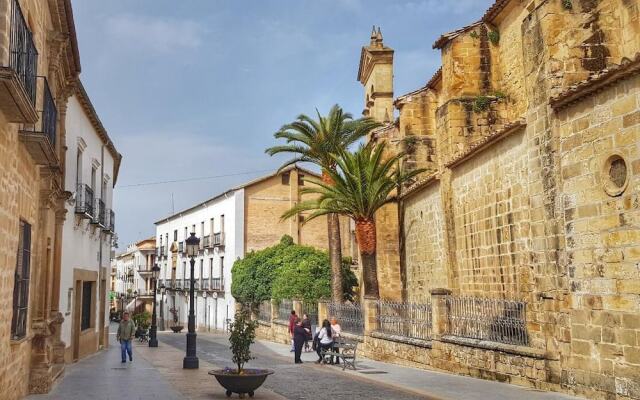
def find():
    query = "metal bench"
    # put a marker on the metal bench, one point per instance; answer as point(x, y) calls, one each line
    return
point(344, 349)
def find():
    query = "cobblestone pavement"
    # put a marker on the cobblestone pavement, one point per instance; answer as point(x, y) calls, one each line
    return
point(296, 382)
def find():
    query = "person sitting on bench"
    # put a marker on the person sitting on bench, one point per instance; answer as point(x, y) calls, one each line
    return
point(325, 338)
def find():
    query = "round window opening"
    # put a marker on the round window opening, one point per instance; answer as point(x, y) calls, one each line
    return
point(616, 175)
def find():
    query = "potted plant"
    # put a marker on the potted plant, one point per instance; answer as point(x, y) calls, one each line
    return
point(241, 380)
point(176, 328)
point(142, 321)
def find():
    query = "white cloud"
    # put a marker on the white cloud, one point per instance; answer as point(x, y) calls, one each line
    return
point(162, 35)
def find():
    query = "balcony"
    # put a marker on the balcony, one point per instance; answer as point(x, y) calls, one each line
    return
point(144, 271)
point(178, 284)
point(84, 201)
point(99, 213)
point(18, 73)
point(206, 242)
point(217, 284)
point(40, 137)
point(110, 221)
point(181, 248)
point(218, 239)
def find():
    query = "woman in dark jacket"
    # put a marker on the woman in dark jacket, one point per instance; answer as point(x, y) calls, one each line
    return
point(299, 337)
point(306, 324)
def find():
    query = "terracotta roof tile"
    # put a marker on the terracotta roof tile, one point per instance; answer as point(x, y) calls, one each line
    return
point(447, 37)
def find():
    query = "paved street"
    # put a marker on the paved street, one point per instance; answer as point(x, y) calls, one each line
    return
point(157, 374)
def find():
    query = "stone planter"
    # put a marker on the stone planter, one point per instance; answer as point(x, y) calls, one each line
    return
point(243, 384)
point(177, 328)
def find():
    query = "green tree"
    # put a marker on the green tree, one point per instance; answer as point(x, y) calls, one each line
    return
point(316, 141)
point(287, 271)
point(242, 336)
point(362, 183)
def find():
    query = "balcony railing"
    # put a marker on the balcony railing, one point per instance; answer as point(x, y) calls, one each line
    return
point(24, 55)
point(206, 242)
point(84, 200)
point(218, 239)
point(99, 213)
point(161, 251)
point(217, 284)
point(112, 221)
point(42, 135)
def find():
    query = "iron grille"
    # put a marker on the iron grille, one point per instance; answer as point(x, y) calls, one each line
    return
point(284, 309)
point(349, 316)
point(206, 241)
point(264, 311)
point(24, 55)
point(405, 319)
point(216, 284)
point(218, 239)
point(100, 212)
point(495, 320)
point(84, 199)
point(311, 309)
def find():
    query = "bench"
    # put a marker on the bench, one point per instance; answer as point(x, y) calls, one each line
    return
point(344, 349)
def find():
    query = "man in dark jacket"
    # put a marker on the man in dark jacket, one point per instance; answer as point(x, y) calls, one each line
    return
point(292, 324)
point(125, 334)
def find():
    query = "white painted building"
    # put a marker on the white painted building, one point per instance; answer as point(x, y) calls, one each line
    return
point(132, 284)
point(218, 223)
point(92, 164)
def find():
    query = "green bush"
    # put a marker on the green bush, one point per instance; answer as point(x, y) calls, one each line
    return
point(142, 320)
point(287, 271)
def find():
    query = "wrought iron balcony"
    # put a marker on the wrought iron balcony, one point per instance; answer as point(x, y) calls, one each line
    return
point(206, 242)
point(109, 223)
point(217, 284)
point(181, 248)
point(205, 284)
point(99, 213)
point(218, 239)
point(112, 221)
point(40, 137)
point(18, 72)
point(84, 200)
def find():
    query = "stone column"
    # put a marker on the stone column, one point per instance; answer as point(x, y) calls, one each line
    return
point(274, 310)
point(439, 315)
point(370, 311)
point(323, 312)
point(297, 307)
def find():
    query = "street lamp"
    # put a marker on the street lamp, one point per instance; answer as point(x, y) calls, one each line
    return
point(191, 360)
point(121, 304)
point(153, 341)
point(162, 292)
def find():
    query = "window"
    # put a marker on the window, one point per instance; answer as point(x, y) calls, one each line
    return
point(285, 178)
point(93, 179)
point(221, 267)
point(184, 270)
point(202, 229)
point(21, 283)
point(175, 235)
point(201, 269)
point(222, 223)
point(79, 167)
point(186, 233)
point(211, 267)
point(300, 180)
point(85, 318)
point(211, 231)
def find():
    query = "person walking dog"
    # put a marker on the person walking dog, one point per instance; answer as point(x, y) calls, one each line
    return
point(125, 335)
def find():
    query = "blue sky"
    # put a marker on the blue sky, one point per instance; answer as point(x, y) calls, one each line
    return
point(196, 88)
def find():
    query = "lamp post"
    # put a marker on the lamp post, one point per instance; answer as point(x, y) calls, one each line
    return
point(153, 341)
point(121, 304)
point(191, 360)
point(162, 291)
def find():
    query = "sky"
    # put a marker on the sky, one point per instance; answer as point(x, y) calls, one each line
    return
point(196, 88)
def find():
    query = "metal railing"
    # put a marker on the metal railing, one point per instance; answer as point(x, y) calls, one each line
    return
point(111, 223)
point(311, 309)
point(217, 284)
point(178, 284)
point(264, 311)
point(84, 199)
point(161, 251)
point(181, 247)
point(23, 56)
point(349, 315)
point(404, 319)
point(218, 239)
point(100, 212)
point(47, 124)
point(205, 284)
point(206, 241)
point(284, 309)
point(495, 320)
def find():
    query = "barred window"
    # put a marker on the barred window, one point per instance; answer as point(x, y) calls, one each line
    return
point(21, 283)
point(85, 320)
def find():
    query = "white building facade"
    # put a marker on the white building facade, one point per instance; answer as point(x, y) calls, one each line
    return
point(92, 165)
point(132, 283)
point(219, 224)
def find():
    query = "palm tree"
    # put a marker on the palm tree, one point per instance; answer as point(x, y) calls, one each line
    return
point(316, 141)
point(362, 183)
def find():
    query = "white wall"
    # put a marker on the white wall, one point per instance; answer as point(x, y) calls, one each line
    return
point(84, 246)
point(211, 313)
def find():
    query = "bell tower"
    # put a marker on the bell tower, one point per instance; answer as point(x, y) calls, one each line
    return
point(376, 75)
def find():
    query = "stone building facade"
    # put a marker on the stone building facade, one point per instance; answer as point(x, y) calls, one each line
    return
point(529, 137)
point(39, 66)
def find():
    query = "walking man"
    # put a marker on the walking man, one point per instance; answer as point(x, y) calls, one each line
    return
point(126, 332)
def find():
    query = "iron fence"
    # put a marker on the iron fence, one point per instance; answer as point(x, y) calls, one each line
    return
point(349, 316)
point(410, 320)
point(496, 320)
point(23, 53)
point(84, 200)
point(264, 311)
point(311, 309)
point(284, 309)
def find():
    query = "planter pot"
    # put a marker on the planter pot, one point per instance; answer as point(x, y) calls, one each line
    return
point(177, 329)
point(247, 383)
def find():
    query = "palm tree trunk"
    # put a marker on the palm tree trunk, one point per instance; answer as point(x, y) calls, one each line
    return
point(366, 236)
point(335, 251)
